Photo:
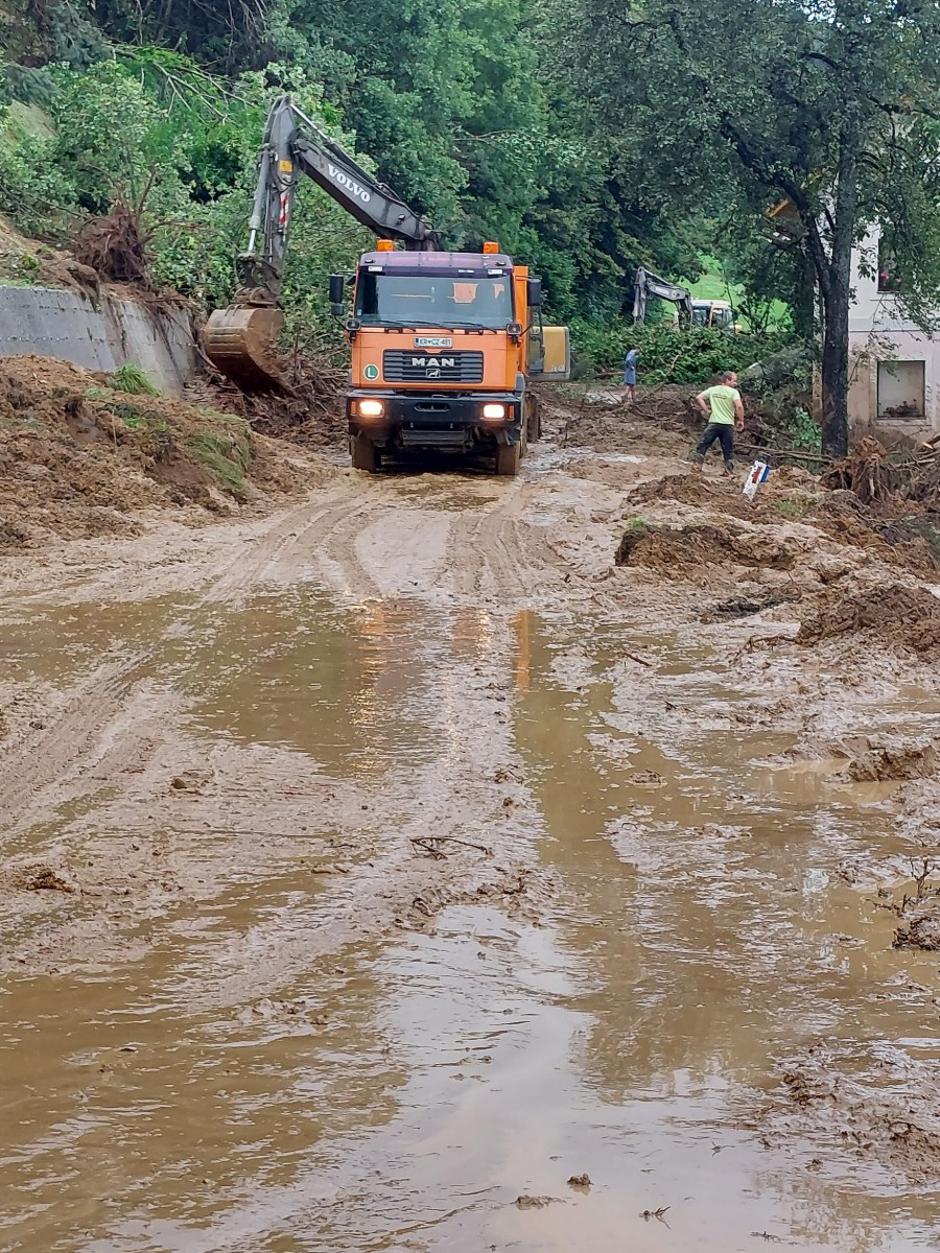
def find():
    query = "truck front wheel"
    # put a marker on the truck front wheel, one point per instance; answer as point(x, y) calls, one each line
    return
point(364, 454)
point(508, 458)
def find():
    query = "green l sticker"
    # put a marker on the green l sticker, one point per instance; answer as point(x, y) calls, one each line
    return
point(371, 372)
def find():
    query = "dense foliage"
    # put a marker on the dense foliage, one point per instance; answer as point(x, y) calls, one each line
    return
point(450, 105)
point(668, 354)
point(827, 107)
point(587, 138)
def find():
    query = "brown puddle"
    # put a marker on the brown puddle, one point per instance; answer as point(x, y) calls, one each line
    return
point(403, 1097)
point(349, 689)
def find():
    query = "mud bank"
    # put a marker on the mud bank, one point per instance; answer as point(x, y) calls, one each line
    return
point(378, 863)
point(79, 456)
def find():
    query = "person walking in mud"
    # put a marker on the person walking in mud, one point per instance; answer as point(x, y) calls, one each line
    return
point(629, 376)
point(723, 407)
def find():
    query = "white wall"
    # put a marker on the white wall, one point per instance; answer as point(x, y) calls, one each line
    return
point(879, 330)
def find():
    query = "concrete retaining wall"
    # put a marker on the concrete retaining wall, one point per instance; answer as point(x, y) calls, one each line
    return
point(99, 335)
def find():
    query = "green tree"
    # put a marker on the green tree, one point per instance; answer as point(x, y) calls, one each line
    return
point(827, 103)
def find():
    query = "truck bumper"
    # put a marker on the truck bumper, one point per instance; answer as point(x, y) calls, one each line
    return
point(427, 420)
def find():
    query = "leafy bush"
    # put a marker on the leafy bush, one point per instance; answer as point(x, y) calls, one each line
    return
point(35, 194)
point(668, 354)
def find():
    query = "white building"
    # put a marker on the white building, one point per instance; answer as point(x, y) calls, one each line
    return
point(895, 368)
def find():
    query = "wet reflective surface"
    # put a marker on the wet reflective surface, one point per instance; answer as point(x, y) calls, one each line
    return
point(233, 1082)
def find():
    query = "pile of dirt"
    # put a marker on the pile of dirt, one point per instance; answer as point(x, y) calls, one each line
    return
point(308, 410)
point(790, 494)
point(893, 616)
point(903, 538)
point(77, 455)
point(681, 551)
point(909, 761)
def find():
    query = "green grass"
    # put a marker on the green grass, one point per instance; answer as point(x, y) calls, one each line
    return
point(133, 418)
point(20, 271)
point(217, 415)
point(225, 455)
point(789, 507)
point(713, 286)
point(131, 380)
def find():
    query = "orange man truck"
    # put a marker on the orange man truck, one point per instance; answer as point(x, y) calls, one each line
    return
point(443, 344)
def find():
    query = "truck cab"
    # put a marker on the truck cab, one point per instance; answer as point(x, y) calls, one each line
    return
point(443, 346)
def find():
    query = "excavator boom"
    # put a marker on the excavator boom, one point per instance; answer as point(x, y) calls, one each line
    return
point(647, 284)
point(239, 340)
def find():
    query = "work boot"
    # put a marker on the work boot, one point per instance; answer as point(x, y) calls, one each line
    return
point(729, 469)
point(698, 462)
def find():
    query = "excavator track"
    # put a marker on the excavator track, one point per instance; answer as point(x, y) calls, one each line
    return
point(240, 341)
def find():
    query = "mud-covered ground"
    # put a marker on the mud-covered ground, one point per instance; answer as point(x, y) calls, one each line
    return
point(446, 863)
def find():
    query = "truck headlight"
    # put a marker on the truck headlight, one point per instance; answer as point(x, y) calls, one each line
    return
point(371, 408)
point(493, 412)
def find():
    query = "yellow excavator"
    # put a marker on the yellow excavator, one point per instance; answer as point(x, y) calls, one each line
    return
point(443, 344)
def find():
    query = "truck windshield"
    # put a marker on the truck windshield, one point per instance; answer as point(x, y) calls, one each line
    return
point(434, 300)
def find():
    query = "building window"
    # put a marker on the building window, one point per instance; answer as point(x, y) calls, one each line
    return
point(887, 268)
point(900, 390)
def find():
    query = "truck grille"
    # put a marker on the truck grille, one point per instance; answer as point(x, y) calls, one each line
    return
point(431, 367)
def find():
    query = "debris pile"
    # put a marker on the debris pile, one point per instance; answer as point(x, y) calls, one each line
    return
point(908, 539)
point(875, 476)
point(308, 410)
point(895, 616)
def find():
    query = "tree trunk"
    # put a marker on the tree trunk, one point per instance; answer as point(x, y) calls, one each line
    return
point(804, 310)
point(836, 292)
point(835, 371)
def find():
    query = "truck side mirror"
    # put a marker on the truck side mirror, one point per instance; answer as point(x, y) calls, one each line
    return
point(533, 293)
point(337, 285)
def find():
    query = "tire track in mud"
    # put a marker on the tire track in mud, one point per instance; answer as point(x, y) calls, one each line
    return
point(361, 540)
point(71, 744)
point(293, 534)
point(432, 542)
point(49, 766)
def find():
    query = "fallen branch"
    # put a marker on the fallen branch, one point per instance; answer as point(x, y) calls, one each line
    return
point(816, 457)
point(427, 843)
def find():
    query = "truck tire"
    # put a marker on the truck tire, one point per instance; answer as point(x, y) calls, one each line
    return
point(534, 418)
point(364, 454)
point(508, 458)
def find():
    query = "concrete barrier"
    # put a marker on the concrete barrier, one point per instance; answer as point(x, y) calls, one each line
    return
point(99, 335)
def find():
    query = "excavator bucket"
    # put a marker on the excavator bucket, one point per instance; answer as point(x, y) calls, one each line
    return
point(240, 341)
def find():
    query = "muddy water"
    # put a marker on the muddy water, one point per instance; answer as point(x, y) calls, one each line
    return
point(402, 1094)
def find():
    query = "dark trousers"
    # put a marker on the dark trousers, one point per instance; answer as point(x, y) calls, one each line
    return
point(724, 433)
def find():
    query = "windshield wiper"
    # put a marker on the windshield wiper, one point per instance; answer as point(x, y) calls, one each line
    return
point(401, 326)
point(432, 326)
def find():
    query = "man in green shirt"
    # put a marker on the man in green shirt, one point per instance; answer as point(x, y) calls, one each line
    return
point(725, 412)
